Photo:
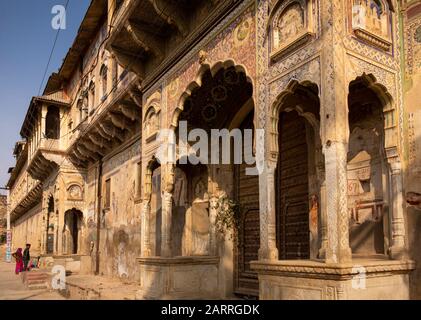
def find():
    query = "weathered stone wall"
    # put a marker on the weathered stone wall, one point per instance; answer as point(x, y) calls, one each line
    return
point(27, 229)
point(411, 19)
point(120, 222)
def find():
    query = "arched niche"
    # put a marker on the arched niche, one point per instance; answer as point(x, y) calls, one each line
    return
point(372, 156)
point(74, 192)
point(151, 123)
point(104, 79)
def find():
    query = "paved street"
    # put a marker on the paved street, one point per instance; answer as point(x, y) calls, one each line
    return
point(12, 288)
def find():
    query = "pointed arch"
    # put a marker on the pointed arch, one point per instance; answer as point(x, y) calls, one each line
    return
point(388, 105)
point(280, 105)
point(198, 81)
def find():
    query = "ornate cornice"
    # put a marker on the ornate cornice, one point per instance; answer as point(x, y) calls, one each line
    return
point(313, 269)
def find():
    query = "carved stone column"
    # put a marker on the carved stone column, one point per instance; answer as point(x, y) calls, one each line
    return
point(267, 250)
point(323, 221)
point(146, 241)
point(213, 201)
point(167, 172)
point(337, 222)
point(167, 200)
point(334, 130)
point(397, 249)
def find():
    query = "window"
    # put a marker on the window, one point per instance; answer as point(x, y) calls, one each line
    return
point(52, 123)
point(80, 109)
point(114, 70)
point(91, 97)
point(104, 80)
point(139, 180)
point(107, 193)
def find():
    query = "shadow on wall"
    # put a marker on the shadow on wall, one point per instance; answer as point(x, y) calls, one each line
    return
point(413, 200)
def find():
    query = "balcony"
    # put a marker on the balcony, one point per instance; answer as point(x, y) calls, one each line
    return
point(42, 129)
point(29, 198)
point(114, 122)
point(148, 36)
point(45, 158)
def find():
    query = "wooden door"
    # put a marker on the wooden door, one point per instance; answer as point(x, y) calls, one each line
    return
point(292, 189)
point(248, 241)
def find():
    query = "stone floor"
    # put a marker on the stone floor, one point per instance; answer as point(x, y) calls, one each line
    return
point(87, 287)
point(80, 287)
point(12, 288)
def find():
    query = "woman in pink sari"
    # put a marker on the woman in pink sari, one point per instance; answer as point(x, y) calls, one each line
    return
point(19, 260)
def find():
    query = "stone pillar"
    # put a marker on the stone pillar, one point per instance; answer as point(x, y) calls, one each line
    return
point(338, 249)
point(167, 200)
point(397, 249)
point(323, 221)
point(44, 234)
point(335, 131)
point(146, 241)
point(267, 250)
point(213, 250)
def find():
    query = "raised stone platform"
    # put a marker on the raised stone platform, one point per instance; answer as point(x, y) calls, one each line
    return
point(312, 280)
point(74, 263)
point(178, 278)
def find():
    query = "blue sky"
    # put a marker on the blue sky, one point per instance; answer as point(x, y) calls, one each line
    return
point(26, 40)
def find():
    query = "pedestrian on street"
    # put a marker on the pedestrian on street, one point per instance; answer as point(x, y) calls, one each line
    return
point(26, 257)
point(19, 260)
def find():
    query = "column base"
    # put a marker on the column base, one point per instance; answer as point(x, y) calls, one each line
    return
point(322, 253)
point(397, 252)
point(268, 254)
point(311, 280)
point(178, 278)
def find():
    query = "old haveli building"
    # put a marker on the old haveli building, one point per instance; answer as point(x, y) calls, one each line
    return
point(334, 84)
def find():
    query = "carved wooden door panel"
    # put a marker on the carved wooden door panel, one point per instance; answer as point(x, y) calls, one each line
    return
point(248, 241)
point(292, 189)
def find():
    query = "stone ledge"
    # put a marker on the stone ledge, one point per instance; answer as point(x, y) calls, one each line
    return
point(196, 260)
point(320, 270)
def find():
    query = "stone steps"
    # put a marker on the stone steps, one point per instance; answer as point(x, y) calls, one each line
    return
point(35, 280)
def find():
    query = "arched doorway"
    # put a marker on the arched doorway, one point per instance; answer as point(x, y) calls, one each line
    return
point(293, 189)
point(73, 221)
point(299, 172)
point(368, 180)
point(153, 193)
point(223, 100)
